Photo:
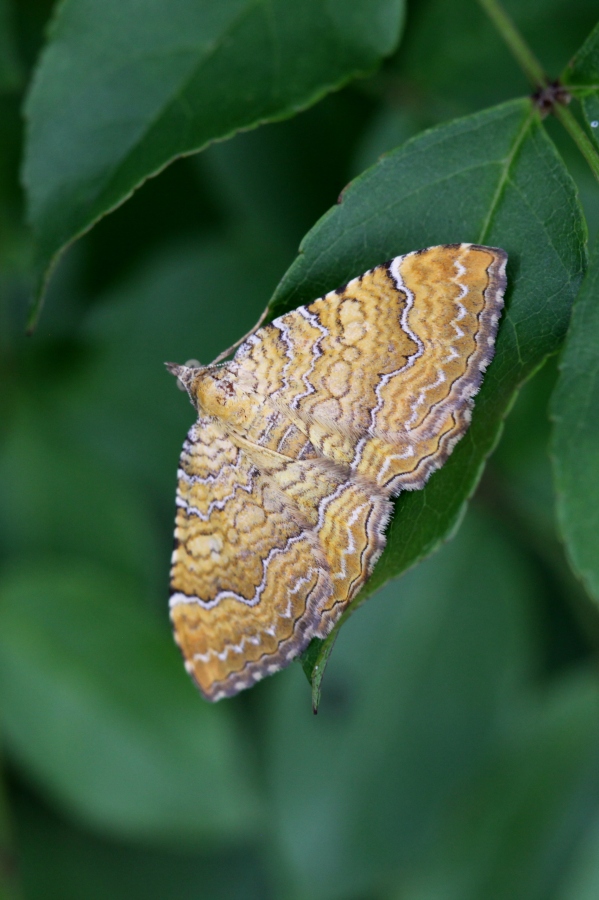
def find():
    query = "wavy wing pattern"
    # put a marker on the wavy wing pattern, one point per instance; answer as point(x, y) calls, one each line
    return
point(285, 481)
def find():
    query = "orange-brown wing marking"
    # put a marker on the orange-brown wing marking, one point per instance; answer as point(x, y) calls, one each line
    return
point(268, 553)
point(455, 302)
point(320, 365)
point(380, 374)
point(320, 418)
point(247, 573)
point(347, 516)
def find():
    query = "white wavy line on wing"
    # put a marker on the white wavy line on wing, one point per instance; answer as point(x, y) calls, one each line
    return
point(316, 354)
point(322, 507)
point(394, 269)
point(461, 270)
point(406, 455)
point(351, 547)
point(439, 380)
point(255, 639)
point(271, 421)
point(177, 597)
point(214, 504)
point(182, 475)
point(289, 430)
point(401, 286)
point(273, 417)
point(289, 352)
point(453, 354)
point(462, 311)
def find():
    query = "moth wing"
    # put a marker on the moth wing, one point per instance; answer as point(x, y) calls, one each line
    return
point(380, 374)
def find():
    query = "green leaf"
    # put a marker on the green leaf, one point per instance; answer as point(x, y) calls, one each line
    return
point(582, 75)
point(582, 880)
point(59, 861)
point(314, 661)
point(575, 447)
point(456, 57)
point(583, 68)
point(419, 683)
point(125, 86)
point(9, 877)
point(56, 495)
point(491, 178)
point(97, 707)
point(519, 484)
point(513, 827)
point(188, 302)
point(11, 74)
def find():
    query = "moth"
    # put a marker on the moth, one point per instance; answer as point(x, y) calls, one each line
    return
point(303, 439)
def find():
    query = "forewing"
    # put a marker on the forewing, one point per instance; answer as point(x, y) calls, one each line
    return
point(455, 298)
point(380, 374)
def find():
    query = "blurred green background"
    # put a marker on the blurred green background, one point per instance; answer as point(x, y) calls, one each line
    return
point(456, 752)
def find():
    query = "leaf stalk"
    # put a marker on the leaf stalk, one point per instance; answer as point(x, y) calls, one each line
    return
point(532, 68)
point(528, 62)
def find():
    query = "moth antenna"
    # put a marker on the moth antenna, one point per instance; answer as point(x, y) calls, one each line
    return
point(238, 343)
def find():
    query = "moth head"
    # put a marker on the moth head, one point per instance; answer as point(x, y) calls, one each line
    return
point(211, 391)
point(186, 376)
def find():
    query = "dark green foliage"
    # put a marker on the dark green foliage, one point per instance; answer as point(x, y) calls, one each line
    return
point(124, 88)
point(521, 198)
point(455, 755)
point(582, 76)
point(576, 433)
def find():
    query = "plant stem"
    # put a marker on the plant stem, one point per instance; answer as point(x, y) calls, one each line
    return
point(534, 71)
point(529, 64)
point(579, 136)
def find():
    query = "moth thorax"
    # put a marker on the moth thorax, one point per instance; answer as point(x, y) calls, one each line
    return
point(217, 396)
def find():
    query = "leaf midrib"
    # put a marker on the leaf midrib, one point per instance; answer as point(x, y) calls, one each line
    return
point(504, 178)
point(507, 164)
